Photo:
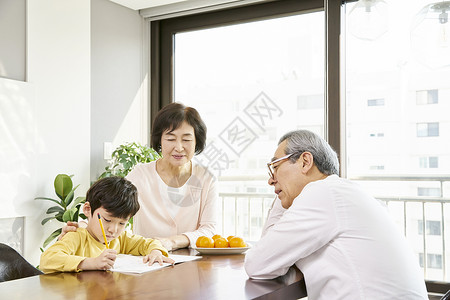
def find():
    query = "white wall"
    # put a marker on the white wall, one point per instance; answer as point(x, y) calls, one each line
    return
point(86, 83)
point(119, 107)
point(58, 66)
point(18, 159)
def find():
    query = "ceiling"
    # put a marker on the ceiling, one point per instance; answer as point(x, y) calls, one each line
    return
point(157, 9)
point(142, 4)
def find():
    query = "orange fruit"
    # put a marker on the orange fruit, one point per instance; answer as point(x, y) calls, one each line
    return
point(204, 242)
point(237, 242)
point(221, 243)
point(216, 236)
point(229, 237)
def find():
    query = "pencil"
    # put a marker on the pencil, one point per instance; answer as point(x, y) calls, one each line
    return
point(103, 231)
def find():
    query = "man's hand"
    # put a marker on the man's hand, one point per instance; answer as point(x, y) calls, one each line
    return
point(68, 227)
point(157, 256)
point(104, 261)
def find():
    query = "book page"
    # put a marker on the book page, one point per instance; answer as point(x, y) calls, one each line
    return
point(134, 264)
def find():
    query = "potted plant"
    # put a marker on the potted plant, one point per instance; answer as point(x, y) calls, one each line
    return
point(67, 208)
point(126, 156)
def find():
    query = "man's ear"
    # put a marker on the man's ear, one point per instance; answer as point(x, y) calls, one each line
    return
point(87, 209)
point(307, 161)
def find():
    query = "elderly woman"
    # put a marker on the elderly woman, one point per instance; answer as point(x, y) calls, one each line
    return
point(177, 196)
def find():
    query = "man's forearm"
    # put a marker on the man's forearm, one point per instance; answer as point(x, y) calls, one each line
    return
point(275, 213)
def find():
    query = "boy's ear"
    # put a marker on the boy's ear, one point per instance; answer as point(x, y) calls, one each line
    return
point(87, 209)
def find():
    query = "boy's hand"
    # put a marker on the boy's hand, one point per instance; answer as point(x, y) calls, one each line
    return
point(157, 256)
point(104, 261)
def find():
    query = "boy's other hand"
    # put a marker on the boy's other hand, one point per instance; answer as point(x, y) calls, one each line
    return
point(157, 256)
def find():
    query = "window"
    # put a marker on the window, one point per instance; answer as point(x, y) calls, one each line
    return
point(263, 92)
point(379, 134)
point(427, 129)
point(427, 97)
point(371, 68)
point(429, 162)
point(433, 227)
point(426, 191)
point(253, 73)
point(375, 102)
point(433, 162)
point(434, 261)
point(310, 102)
point(376, 168)
point(405, 165)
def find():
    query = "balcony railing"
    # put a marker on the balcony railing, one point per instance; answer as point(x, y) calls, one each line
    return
point(245, 213)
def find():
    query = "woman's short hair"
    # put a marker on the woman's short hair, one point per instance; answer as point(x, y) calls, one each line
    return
point(170, 117)
point(324, 157)
point(115, 194)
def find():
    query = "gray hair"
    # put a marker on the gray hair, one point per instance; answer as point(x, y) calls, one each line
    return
point(324, 157)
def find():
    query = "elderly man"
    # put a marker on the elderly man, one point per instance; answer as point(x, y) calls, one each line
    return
point(342, 239)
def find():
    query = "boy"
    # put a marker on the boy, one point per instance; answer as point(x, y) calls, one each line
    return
point(115, 199)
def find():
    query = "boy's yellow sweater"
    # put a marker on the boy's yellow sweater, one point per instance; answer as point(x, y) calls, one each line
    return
point(65, 255)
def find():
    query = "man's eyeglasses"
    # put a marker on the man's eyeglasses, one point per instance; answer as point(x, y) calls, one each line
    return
point(270, 165)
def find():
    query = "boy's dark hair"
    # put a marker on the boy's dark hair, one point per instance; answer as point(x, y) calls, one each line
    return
point(116, 194)
point(170, 117)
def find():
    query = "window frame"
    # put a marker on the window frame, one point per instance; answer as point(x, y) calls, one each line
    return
point(427, 97)
point(432, 129)
point(161, 63)
point(162, 49)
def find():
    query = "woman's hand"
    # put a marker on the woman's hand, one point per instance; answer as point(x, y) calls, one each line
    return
point(68, 227)
point(104, 261)
point(157, 256)
point(174, 242)
point(166, 243)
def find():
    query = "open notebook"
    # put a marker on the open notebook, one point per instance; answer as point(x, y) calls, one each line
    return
point(133, 264)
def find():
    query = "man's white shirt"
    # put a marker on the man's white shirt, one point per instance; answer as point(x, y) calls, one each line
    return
point(344, 242)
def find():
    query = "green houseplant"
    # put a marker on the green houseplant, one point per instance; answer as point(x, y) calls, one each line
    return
point(126, 156)
point(67, 208)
